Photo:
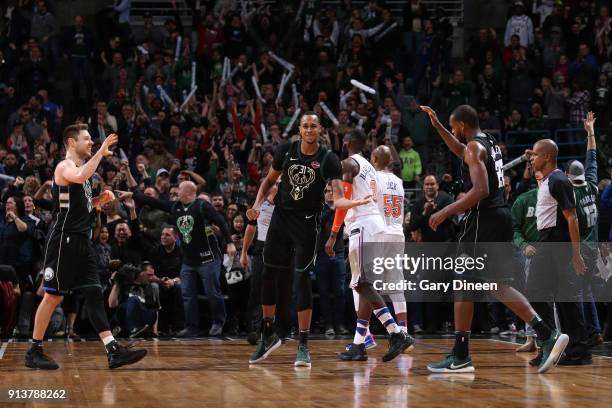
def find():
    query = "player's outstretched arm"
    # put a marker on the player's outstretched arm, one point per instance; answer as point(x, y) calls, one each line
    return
point(451, 141)
point(68, 170)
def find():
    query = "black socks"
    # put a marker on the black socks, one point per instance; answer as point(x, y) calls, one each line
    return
point(540, 328)
point(462, 343)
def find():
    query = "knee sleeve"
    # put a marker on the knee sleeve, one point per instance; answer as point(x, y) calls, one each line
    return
point(304, 291)
point(94, 304)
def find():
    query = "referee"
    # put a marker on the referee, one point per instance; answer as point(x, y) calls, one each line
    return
point(555, 268)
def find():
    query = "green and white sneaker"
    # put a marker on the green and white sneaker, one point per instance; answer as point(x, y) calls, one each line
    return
point(265, 347)
point(552, 350)
point(302, 359)
point(451, 364)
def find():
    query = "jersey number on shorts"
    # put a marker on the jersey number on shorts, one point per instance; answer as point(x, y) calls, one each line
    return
point(392, 205)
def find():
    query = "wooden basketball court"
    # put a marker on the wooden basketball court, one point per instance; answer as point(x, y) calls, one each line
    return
point(199, 373)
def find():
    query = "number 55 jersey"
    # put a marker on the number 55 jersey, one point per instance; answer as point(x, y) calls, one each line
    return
point(390, 198)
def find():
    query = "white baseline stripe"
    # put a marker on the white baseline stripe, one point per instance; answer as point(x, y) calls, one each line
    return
point(3, 349)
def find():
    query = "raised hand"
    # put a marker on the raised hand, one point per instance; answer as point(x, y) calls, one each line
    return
point(589, 124)
point(432, 114)
point(110, 140)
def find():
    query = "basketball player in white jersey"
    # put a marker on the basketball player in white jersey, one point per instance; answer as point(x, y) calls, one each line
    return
point(390, 199)
point(365, 226)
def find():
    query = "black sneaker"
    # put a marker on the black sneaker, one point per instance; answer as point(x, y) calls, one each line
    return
point(356, 352)
point(398, 342)
point(35, 358)
point(535, 362)
point(122, 355)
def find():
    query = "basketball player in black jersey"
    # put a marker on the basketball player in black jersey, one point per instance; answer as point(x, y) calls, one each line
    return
point(70, 261)
point(487, 219)
point(306, 168)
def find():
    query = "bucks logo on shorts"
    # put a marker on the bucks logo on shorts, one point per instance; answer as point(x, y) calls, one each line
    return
point(300, 178)
point(185, 225)
point(49, 274)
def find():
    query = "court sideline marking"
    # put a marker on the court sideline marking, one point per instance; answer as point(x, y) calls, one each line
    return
point(3, 348)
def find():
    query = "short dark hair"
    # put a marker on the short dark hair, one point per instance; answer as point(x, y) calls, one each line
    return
point(358, 135)
point(310, 113)
point(431, 175)
point(467, 115)
point(170, 227)
point(72, 131)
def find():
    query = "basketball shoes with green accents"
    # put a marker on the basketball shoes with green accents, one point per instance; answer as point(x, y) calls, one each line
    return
point(452, 364)
point(552, 350)
point(302, 359)
point(265, 347)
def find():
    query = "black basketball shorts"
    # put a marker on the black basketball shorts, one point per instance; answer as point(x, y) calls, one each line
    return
point(487, 234)
point(292, 235)
point(70, 264)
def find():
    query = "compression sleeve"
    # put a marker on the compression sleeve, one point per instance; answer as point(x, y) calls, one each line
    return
point(341, 213)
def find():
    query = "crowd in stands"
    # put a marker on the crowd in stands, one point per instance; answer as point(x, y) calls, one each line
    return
point(209, 101)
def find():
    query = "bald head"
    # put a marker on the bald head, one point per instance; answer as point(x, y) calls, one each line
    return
point(381, 157)
point(547, 146)
point(544, 156)
point(187, 192)
point(188, 186)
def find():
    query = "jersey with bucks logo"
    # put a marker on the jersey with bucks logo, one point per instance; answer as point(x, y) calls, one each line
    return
point(304, 177)
point(72, 208)
point(495, 174)
point(197, 246)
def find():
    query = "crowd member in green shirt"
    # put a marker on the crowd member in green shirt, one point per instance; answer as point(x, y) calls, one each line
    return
point(411, 164)
point(584, 179)
point(525, 234)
